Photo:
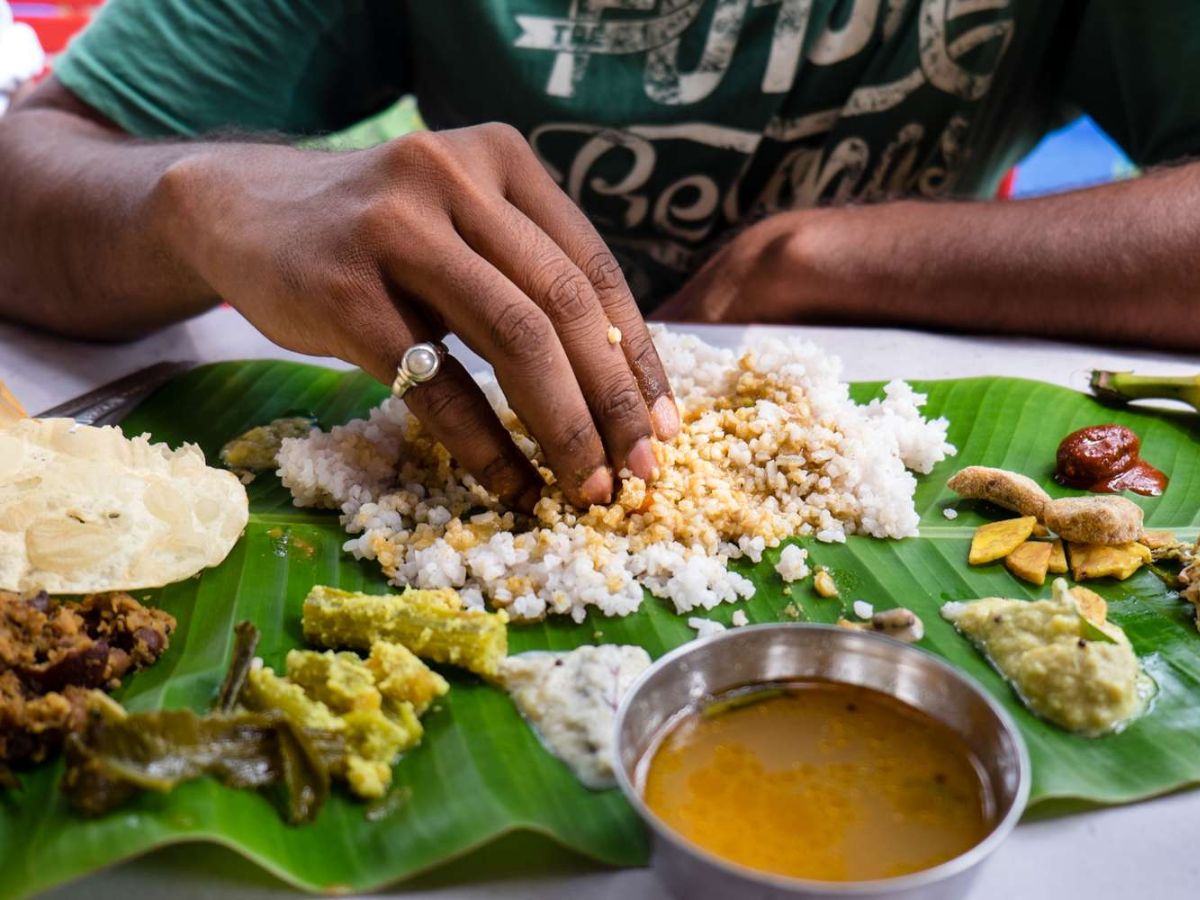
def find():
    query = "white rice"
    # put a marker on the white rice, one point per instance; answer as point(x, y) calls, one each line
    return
point(705, 627)
point(792, 565)
point(797, 457)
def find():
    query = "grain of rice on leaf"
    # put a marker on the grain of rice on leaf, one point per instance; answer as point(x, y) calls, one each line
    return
point(431, 623)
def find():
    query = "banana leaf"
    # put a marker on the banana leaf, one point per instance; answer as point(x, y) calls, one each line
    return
point(481, 774)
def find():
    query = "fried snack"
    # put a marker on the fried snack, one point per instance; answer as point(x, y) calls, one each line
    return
point(53, 653)
point(1094, 520)
point(998, 539)
point(1011, 490)
point(430, 623)
point(1107, 561)
point(1158, 540)
point(86, 509)
point(1030, 561)
point(1058, 558)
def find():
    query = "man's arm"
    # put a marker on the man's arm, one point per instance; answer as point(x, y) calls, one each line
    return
point(356, 255)
point(82, 247)
point(1117, 263)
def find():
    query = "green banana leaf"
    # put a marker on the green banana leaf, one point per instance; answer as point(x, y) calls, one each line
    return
point(480, 773)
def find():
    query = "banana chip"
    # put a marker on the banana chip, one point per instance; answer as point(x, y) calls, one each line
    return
point(85, 510)
point(997, 540)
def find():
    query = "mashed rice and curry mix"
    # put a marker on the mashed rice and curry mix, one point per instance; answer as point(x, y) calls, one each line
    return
point(773, 453)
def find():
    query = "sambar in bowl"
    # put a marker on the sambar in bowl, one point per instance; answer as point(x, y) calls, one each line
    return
point(806, 760)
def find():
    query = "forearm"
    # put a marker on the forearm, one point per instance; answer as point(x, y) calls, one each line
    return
point(84, 246)
point(1117, 263)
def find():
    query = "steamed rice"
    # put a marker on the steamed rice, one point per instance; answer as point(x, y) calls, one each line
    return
point(771, 447)
point(705, 627)
point(792, 565)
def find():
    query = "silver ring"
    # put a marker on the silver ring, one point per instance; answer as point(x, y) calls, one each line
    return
point(420, 363)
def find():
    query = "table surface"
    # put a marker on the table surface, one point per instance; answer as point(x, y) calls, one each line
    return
point(1143, 849)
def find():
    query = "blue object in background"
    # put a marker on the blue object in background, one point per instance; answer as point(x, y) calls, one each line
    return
point(1078, 155)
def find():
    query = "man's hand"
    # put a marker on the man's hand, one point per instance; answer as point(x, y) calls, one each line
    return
point(362, 255)
point(356, 255)
point(1113, 264)
point(757, 277)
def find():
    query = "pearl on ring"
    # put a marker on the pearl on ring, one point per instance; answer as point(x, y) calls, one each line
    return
point(421, 361)
point(419, 364)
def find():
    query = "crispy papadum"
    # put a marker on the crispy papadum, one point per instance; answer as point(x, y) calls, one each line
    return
point(85, 509)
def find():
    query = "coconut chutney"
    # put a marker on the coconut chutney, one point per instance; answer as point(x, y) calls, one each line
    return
point(571, 701)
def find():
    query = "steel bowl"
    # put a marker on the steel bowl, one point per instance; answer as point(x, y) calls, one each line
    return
point(778, 654)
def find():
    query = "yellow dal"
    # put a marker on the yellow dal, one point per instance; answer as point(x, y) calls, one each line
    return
point(820, 781)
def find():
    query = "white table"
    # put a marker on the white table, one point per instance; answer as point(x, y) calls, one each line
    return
point(1145, 850)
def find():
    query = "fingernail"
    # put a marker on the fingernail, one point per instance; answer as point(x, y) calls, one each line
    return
point(665, 416)
point(598, 486)
point(642, 460)
point(529, 498)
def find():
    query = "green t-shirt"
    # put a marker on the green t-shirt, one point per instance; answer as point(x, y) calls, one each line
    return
point(670, 122)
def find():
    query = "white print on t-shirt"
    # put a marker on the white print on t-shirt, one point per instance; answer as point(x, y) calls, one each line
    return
point(804, 176)
point(593, 27)
point(688, 210)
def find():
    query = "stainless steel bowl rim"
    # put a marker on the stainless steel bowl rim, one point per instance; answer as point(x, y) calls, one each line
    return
point(914, 880)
